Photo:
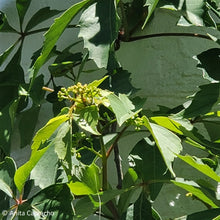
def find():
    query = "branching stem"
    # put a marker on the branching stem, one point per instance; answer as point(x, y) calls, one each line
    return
point(136, 38)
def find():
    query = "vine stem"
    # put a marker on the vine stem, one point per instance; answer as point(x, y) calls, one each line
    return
point(136, 38)
point(104, 166)
point(117, 160)
point(115, 142)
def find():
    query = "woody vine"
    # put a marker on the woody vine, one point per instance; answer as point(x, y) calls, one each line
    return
point(68, 165)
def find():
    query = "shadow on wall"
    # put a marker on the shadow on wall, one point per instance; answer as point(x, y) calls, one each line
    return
point(162, 68)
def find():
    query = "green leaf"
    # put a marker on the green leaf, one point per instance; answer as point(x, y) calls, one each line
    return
point(88, 181)
point(45, 171)
point(22, 7)
point(147, 158)
point(182, 127)
point(4, 25)
point(202, 102)
point(152, 4)
point(23, 172)
point(195, 11)
point(134, 14)
point(209, 62)
point(198, 164)
point(39, 140)
point(119, 82)
point(96, 83)
point(60, 141)
point(54, 202)
point(205, 215)
point(60, 69)
point(6, 53)
point(13, 74)
point(36, 92)
point(7, 116)
point(195, 190)
point(54, 33)
point(7, 171)
point(98, 32)
point(130, 179)
point(27, 129)
point(40, 16)
point(167, 142)
point(89, 204)
point(44, 133)
point(122, 107)
point(65, 62)
point(87, 119)
point(185, 128)
point(142, 208)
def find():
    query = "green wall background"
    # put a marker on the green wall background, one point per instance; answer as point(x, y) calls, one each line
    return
point(162, 68)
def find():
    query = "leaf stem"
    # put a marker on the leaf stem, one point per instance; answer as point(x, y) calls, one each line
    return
point(44, 30)
point(89, 149)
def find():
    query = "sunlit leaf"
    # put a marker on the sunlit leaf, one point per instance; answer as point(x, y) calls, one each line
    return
point(98, 32)
point(44, 133)
point(88, 181)
point(178, 126)
point(54, 33)
point(122, 107)
point(195, 190)
point(167, 142)
point(40, 16)
point(45, 171)
point(152, 4)
point(87, 119)
point(39, 140)
point(96, 83)
point(200, 166)
point(60, 141)
point(194, 10)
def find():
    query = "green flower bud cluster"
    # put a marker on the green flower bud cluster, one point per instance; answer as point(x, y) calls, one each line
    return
point(136, 121)
point(81, 95)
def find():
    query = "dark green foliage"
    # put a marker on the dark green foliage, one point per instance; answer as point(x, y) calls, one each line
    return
point(71, 154)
